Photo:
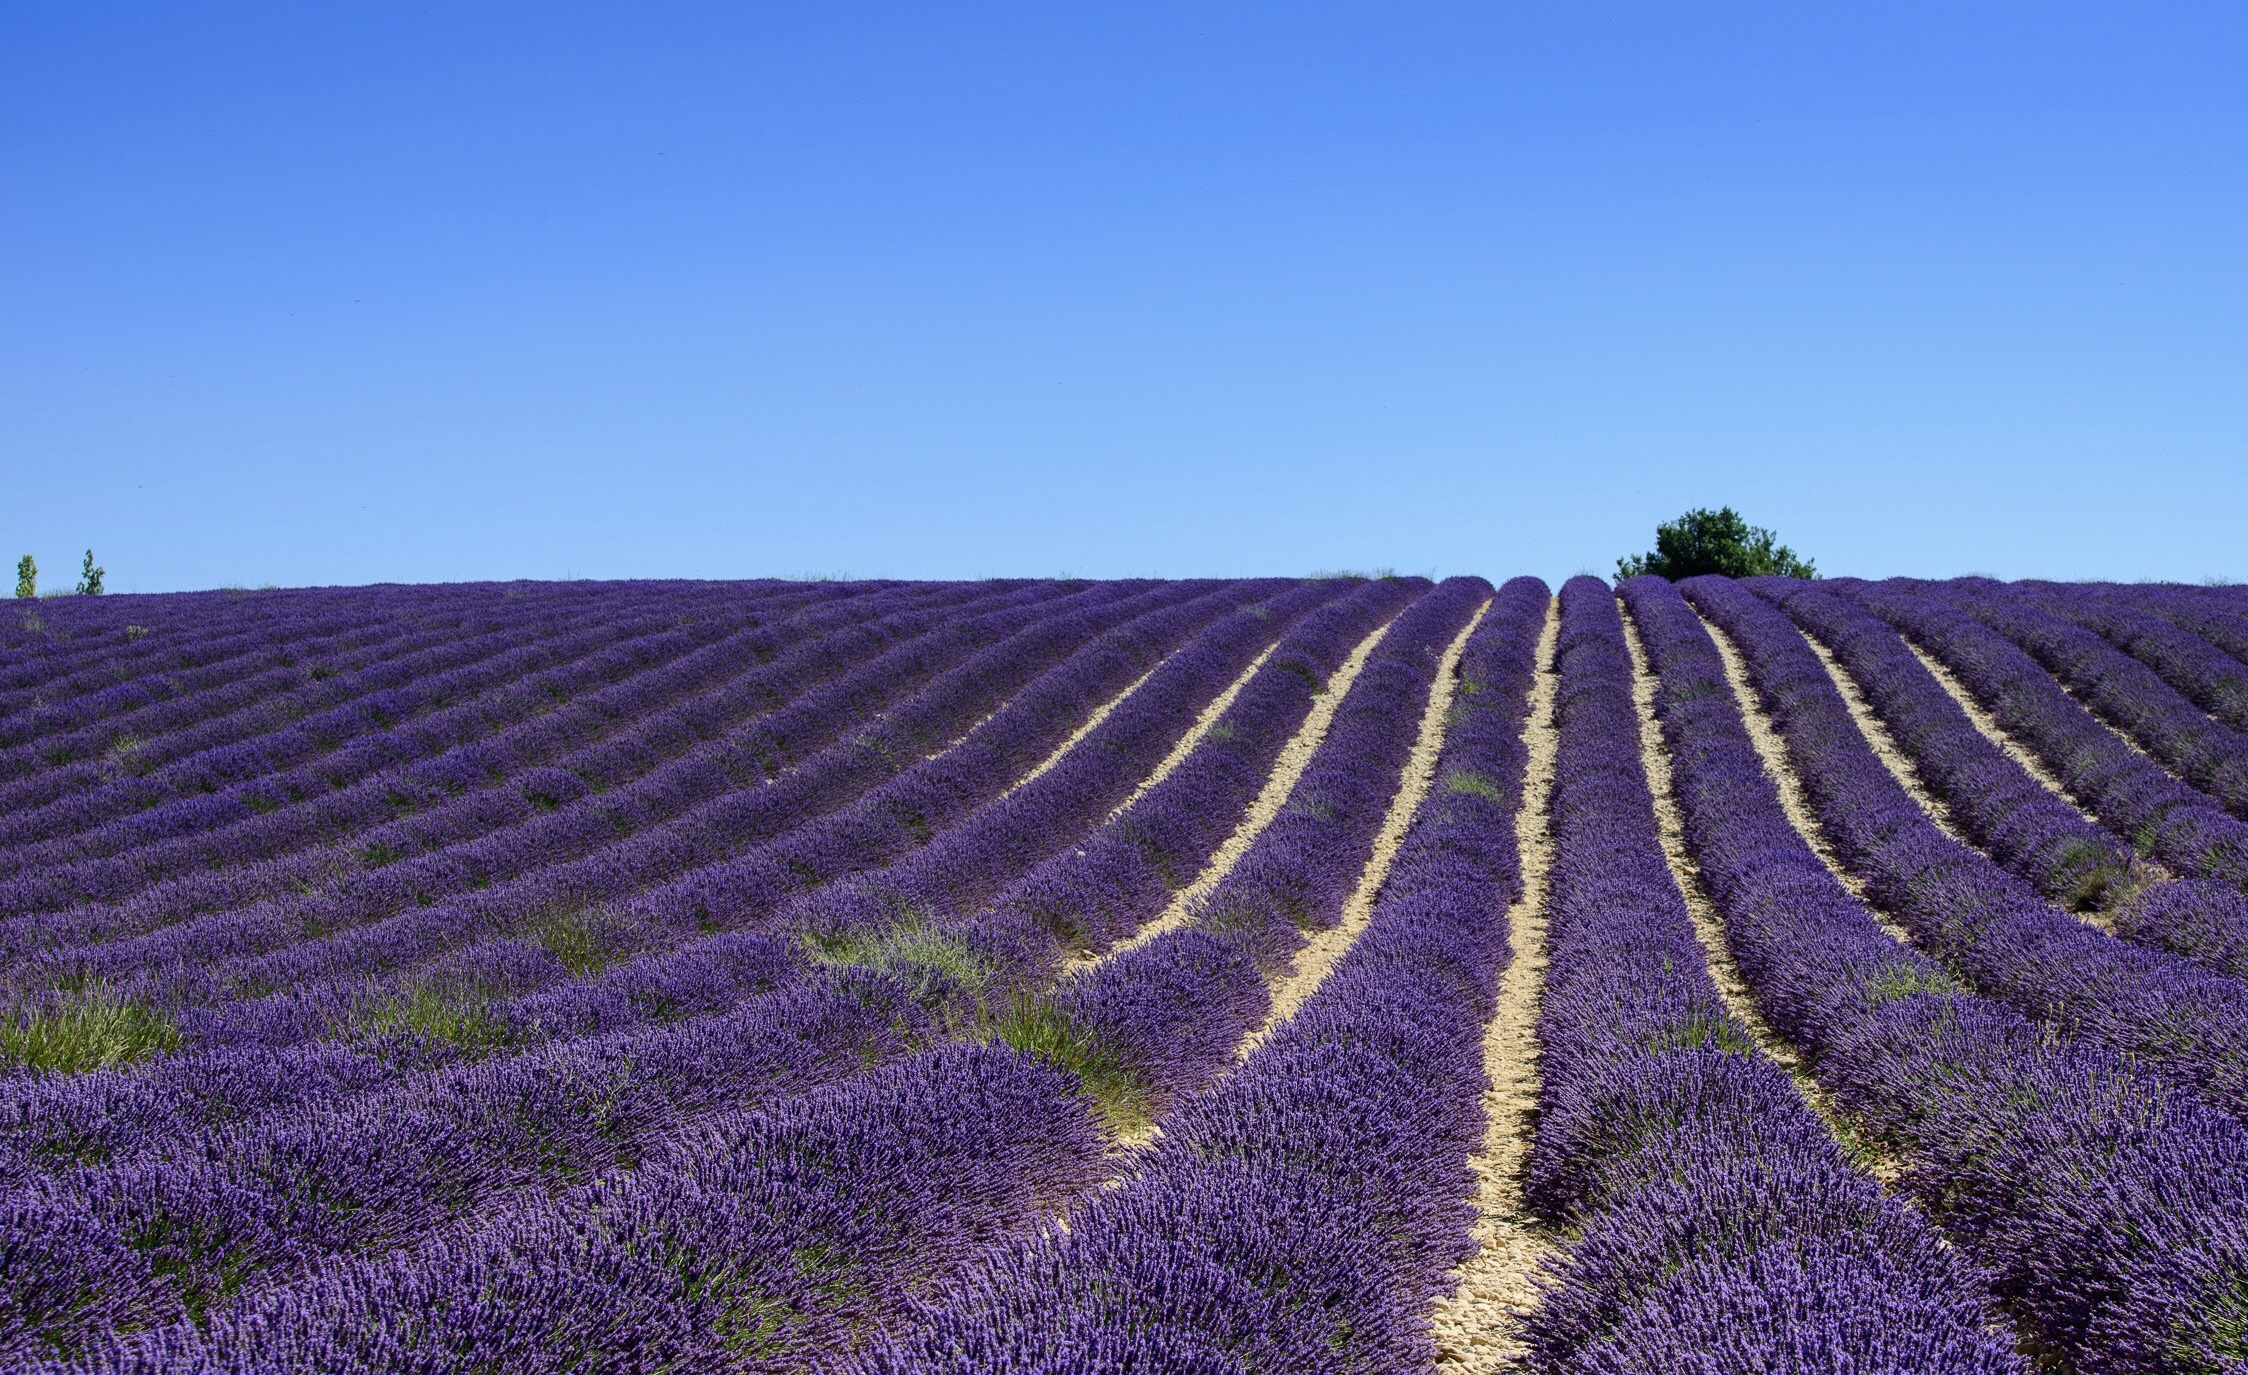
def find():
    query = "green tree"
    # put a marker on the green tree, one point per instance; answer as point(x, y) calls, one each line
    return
point(27, 576)
point(89, 577)
point(1719, 541)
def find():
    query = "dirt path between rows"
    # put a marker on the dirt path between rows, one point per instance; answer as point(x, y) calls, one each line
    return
point(1091, 724)
point(1709, 924)
point(1478, 1327)
point(1326, 947)
point(1295, 756)
point(1995, 733)
point(1885, 746)
point(1201, 727)
point(1901, 767)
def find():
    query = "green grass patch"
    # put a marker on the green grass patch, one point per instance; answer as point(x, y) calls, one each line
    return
point(86, 1028)
point(1469, 781)
point(461, 1017)
point(1038, 1027)
point(937, 966)
point(580, 936)
point(1894, 985)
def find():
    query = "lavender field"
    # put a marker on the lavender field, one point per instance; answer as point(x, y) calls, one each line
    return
point(1262, 975)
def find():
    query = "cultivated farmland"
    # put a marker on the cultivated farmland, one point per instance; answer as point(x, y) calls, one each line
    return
point(1264, 975)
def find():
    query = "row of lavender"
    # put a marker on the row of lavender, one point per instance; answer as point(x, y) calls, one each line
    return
point(484, 928)
point(404, 733)
point(2109, 1205)
point(2131, 795)
point(597, 850)
point(91, 1116)
point(482, 1104)
point(1300, 1214)
point(1990, 928)
point(605, 721)
point(232, 1081)
point(727, 1196)
point(694, 1191)
point(1720, 1225)
point(74, 665)
point(334, 654)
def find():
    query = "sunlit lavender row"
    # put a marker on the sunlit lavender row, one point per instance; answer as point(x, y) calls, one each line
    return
point(1226, 975)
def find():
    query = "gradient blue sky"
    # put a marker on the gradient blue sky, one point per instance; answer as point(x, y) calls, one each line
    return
point(319, 292)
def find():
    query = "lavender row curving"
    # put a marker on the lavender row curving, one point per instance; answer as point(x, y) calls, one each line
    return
point(181, 1099)
point(2211, 756)
point(1698, 1183)
point(63, 811)
point(1162, 1018)
point(324, 985)
point(2037, 836)
point(2110, 1209)
point(2130, 794)
point(571, 701)
point(1990, 928)
point(758, 1243)
point(2205, 674)
point(275, 760)
point(396, 837)
point(1300, 1216)
point(479, 1136)
point(227, 712)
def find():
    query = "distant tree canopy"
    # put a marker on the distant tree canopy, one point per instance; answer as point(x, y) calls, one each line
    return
point(27, 576)
point(1719, 541)
point(89, 577)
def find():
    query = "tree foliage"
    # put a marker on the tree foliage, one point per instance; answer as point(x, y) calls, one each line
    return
point(89, 577)
point(27, 576)
point(1719, 541)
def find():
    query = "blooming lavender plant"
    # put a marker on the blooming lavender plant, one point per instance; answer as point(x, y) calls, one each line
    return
point(1988, 926)
point(2110, 1209)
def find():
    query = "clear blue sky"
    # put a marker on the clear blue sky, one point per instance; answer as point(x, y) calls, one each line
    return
point(312, 293)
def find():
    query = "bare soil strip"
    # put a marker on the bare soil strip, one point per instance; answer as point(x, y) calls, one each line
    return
point(1326, 947)
point(1996, 734)
point(1773, 750)
point(1100, 714)
point(1876, 732)
point(1901, 766)
point(1286, 770)
point(1709, 926)
point(1201, 727)
point(1478, 1328)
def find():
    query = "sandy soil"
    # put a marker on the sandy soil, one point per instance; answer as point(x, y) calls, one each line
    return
point(1100, 714)
point(1900, 765)
point(1326, 947)
point(1995, 733)
point(1478, 1328)
point(1201, 727)
point(1885, 745)
point(1709, 924)
point(1286, 770)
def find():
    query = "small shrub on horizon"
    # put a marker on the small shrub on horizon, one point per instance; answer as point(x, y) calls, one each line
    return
point(1719, 541)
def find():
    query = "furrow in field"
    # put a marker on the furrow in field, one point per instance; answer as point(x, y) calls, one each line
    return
point(1709, 923)
point(1196, 733)
point(1899, 763)
point(2002, 1120)
point(1478, 1327)
point(1090, 724)
point(1773, 751)
point(1992, 928)
point(1294, 757)
point(1318, 957)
